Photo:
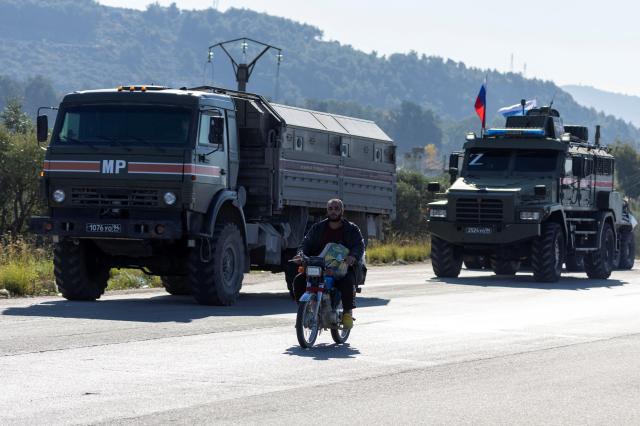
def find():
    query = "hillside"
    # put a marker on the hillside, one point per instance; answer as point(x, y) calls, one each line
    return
point(80, 44)
point(625, 107)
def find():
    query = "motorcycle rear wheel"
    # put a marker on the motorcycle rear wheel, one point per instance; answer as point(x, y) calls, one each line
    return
point(340, 335)
point(306, 325)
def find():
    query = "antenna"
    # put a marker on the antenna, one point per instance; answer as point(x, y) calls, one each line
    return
point(244, 69)
point(511, 66)
point(524, 71)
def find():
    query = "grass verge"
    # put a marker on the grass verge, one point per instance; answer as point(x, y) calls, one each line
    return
point(398, 250)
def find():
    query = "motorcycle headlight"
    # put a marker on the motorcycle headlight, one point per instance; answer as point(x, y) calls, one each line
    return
point(58, 195)
point(532, 216)
point(170, 198)
point(438, 212)
point(314, 271)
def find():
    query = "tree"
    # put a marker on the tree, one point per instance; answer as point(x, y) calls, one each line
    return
point(14, 119)
point(627, 169)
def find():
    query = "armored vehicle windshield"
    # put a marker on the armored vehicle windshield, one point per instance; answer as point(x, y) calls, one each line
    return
point(124, 124)
point(510, 162)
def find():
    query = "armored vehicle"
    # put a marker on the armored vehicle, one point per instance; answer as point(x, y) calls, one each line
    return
point(535, 191)
point(199, 185)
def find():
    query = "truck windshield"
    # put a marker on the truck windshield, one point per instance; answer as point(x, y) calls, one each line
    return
point(535, 161)
point(131, 125)
point(488, 160)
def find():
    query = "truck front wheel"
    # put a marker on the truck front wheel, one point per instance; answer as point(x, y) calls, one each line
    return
point(216, 266)
point(547, 253)
point(80, 269)
point(446, 259)
point(599, 263)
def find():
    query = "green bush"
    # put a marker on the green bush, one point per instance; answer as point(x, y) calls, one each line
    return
point(398, 251)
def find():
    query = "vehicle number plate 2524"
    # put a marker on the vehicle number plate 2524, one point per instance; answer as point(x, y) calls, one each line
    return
point(482, 230)
point(109, 228)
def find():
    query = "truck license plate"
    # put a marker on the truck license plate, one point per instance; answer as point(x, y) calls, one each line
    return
point(109, 228)
point(483, 230)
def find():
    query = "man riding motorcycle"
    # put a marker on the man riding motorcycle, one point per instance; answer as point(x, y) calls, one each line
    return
point(334, 229)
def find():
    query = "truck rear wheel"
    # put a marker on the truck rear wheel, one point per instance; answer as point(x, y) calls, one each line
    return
point(504, 266)
point(81, 271)
point(599, 263)
point(627, 250)
point(176, 285)
point(216, 267)
point(547, 253)
point(446, 259)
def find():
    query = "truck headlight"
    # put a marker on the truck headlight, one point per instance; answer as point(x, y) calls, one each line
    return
point(533, 216)
point(170, 198)
point(58, 195)
point(438, 212)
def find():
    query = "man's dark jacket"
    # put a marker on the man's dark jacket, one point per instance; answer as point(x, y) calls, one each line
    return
point(352, 238)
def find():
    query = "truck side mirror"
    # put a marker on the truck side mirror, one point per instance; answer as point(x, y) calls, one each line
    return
point(454, 165)
point(216, 130)
point(433, 187)
point(42, 126)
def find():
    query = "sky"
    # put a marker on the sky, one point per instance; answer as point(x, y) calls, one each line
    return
point(566, 41)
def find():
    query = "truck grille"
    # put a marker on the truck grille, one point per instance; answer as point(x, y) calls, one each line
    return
point(109, 197)
point(479, 210)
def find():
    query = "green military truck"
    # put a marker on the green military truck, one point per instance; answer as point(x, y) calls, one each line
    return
point(536, 192)
point(199, 185)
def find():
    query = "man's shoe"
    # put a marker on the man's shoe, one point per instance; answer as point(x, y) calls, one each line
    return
point(347, 321)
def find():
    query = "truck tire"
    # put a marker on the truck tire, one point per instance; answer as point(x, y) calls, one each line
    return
point(216, 266)
point(176, 285)
point(627, 251)
point(574, 262)
point(474, 262)
point(547, 253)
point(504, 266)
point(446, 259)
point(599, 263)
point(81, 271)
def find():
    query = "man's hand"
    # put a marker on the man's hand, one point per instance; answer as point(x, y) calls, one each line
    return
point(350, 260)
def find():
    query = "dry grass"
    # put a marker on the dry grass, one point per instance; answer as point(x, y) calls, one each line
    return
point(398, 250)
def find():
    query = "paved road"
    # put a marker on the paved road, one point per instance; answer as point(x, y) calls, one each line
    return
point(475, 350)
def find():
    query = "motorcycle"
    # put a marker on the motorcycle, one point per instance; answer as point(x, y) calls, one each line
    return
point(320, 307)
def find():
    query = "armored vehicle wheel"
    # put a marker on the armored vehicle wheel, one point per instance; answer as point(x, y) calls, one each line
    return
point(474, 262)
point(504, 266)
point(81, 271)
point(599, 263)
point(547, 253)
point(446, 259)
point(627, 251)
point(574, 262)
point(176, 285)
point(216, 267)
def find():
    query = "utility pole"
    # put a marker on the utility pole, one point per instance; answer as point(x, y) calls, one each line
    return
point(244, 69)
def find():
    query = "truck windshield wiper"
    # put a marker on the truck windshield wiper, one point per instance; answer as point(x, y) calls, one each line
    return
point(147, 142)
point(77, 141)
point(115, 141)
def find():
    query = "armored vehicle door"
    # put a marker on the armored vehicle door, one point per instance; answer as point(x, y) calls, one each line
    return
point(210, 163)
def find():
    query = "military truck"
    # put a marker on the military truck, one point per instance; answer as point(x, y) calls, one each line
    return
point(535, 191)
point(199, 185)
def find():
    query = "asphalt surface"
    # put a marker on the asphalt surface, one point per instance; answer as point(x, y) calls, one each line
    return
point(479, 349)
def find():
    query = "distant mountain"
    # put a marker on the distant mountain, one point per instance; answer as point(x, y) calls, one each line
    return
point(626, 107)
point(79, 44)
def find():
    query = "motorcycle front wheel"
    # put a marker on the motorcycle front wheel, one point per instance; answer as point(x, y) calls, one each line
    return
point(306, 324)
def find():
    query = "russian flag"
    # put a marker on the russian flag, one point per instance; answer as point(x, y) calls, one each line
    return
point(481, 105)
point(516, 109)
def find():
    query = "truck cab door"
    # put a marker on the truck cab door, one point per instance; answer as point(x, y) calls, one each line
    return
point(210, 163)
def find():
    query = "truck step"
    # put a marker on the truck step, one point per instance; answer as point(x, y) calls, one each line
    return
point(586, 248)
point(580, 219)
point(585, 232)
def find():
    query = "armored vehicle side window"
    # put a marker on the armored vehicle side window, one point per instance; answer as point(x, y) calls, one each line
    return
point(536, 161)
point(120, 124)
point(488, 160)
point(206, 125)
